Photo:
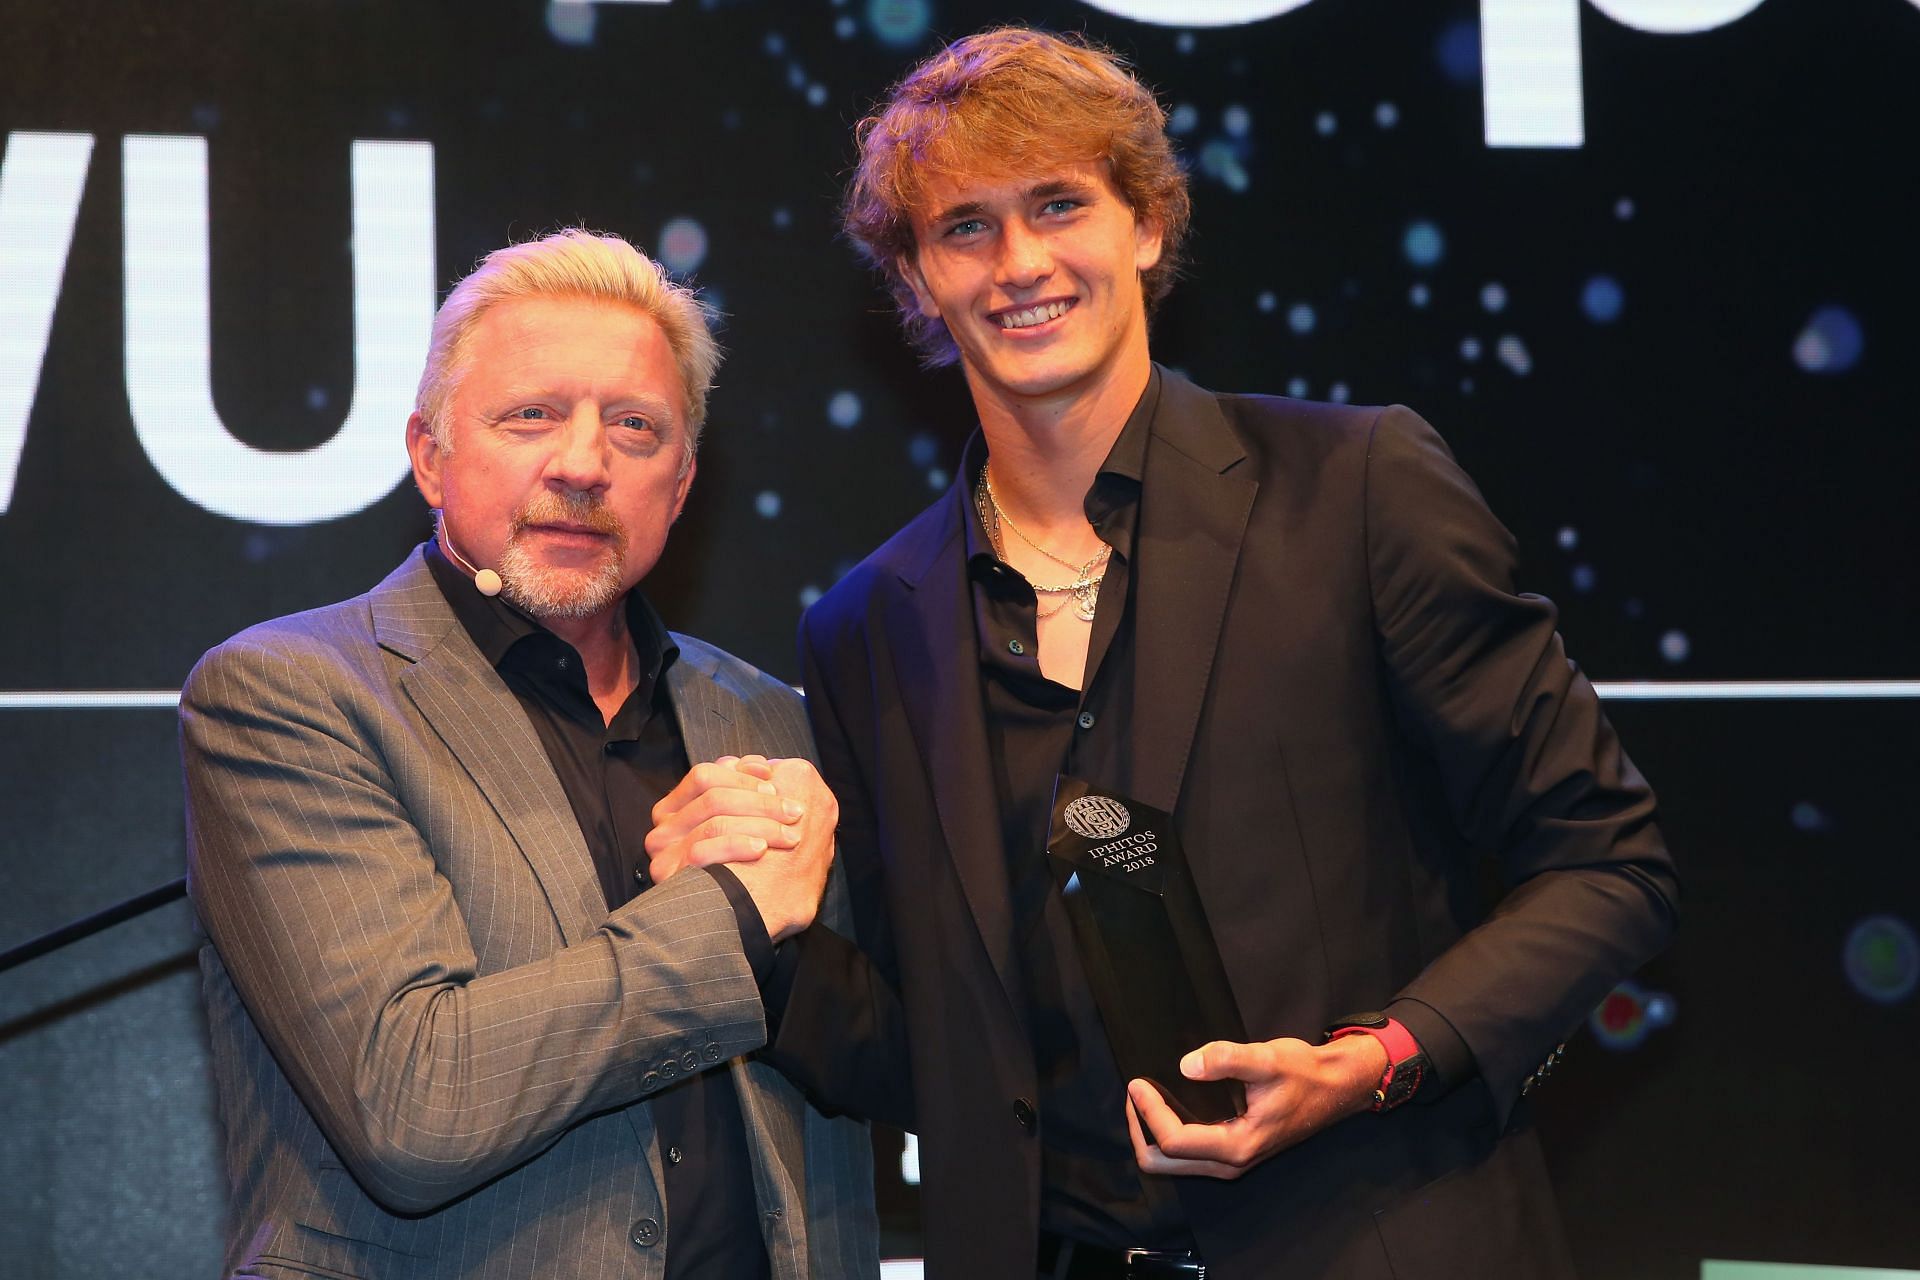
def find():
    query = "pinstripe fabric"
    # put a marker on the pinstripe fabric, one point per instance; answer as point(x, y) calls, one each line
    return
point(432, 1043)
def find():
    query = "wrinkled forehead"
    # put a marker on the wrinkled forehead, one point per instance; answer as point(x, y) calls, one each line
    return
point(573, 342)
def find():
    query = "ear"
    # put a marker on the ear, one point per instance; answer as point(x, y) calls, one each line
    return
point(1147, 236)
point(909, 270)
point(426, 453)
point(682, 487)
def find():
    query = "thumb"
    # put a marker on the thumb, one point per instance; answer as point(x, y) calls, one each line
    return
point(1218, 1060)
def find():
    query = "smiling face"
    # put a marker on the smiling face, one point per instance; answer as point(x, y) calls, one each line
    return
point(1038, 281)
point(567, 452)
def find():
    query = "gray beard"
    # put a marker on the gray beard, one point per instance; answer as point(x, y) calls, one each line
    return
point(560, 593)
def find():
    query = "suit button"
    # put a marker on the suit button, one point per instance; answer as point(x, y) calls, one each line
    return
point(713, 1053)
point(674, 1155)
point(645, 1233)
point(669, 1069)
point(1015, 648)
point(690, 1060)
point(1086, 720)
point(649, 1080)
point(1023, 1112)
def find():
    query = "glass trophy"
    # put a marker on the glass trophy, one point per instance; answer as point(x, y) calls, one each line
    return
point(1143, 939)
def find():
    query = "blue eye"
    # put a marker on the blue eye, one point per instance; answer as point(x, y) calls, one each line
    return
point(965, 228)
point(531, 413)
point(636, 422)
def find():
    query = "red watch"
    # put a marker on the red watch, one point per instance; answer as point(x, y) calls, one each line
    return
point(1406, 1061)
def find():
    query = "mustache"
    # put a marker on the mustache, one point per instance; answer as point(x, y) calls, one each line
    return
point(572, 507)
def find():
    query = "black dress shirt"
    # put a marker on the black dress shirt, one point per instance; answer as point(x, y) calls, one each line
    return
point(613, 772)
point(1091, 1189)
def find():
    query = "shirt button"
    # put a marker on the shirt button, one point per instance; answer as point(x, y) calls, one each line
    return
point(1023, 1112)
point(645, 1233)
point(1015, 648)
point(640, 874)
point(1086, 719)
point(561, 663)
point(674, 1156)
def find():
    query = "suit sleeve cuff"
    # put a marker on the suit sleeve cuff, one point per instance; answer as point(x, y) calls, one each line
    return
point(1449, 1061)
point(753, 930)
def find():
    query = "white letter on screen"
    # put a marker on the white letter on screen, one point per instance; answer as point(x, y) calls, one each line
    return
point(169, 358)
point(1213, 13)
point(1530, 67)
point(1676, 17)
point(41, 178)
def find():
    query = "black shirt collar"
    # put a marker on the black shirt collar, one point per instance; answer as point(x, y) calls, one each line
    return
point(1116, 487)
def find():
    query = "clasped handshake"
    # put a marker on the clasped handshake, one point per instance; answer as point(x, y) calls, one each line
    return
point(771, 820)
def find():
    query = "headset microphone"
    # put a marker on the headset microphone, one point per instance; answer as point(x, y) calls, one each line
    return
point(485, 581)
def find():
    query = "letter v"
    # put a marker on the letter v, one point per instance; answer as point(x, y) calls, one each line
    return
point(41, 179)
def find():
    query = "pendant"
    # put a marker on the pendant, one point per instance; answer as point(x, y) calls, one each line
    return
point(1086, 597)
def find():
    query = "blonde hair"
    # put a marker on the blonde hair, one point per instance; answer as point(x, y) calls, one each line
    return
point(571, 263)
point(1010, 100)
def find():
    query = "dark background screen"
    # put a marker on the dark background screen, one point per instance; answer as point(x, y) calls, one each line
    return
point(1668, 346)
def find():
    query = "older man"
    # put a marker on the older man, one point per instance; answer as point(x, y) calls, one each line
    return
point(1293, 628)
point(458, 1029)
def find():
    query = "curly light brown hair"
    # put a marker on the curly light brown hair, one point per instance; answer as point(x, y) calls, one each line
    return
point(1010, 100)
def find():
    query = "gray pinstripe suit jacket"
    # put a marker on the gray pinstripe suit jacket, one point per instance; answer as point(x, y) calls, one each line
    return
point(433, 1044)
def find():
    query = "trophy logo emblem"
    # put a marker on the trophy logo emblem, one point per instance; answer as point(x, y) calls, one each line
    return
point(1097, 817)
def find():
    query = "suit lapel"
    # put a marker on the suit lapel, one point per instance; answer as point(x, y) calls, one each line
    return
point(931, 627)
point(714, 720)
point(476, 715)
point(1193, 519)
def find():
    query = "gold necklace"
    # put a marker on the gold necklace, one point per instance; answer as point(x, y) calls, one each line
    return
point(1083, 591)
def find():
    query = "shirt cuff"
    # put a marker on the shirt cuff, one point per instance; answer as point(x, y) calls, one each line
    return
point(776, 990)
point(1449, 1061)
point(753, 930)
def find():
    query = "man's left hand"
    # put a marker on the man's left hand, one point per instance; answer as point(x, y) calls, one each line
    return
point(1294, 1090)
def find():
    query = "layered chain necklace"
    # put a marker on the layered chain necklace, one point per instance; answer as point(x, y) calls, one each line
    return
point(1083, 592)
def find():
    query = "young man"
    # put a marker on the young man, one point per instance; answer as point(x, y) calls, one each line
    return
point(459, 1027)
point(1294, 627)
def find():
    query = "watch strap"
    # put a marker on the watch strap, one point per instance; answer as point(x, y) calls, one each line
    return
point(1406, 1062)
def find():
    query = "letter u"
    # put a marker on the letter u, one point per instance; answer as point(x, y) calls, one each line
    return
point(169, 356)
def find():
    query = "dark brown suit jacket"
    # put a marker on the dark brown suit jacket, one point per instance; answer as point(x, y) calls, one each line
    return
point(1349, 710)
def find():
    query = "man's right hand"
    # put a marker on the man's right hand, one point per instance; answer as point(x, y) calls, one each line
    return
point(720, 812)
point(772, 821)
